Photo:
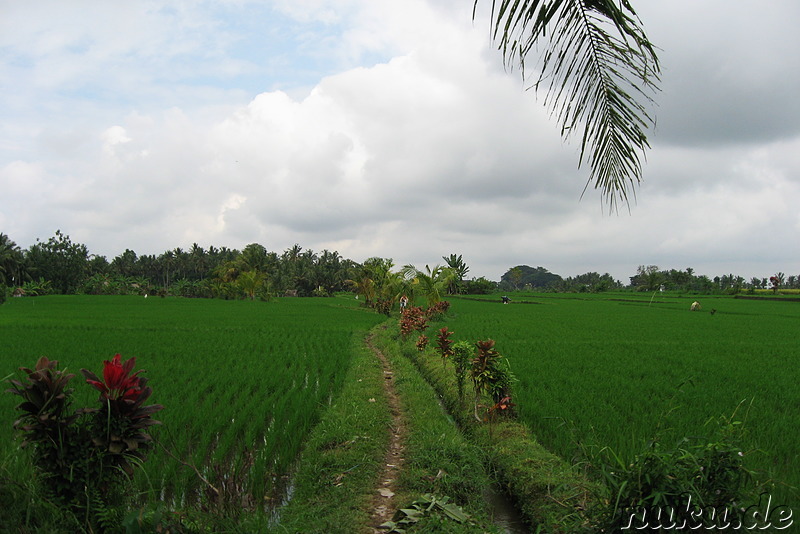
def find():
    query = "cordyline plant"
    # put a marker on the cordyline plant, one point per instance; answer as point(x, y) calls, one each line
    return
point(444, 344)
point(437, 311)
point(422, 342)
point(462, 357)
point(120, 426)
point(412, 319)
point(81, 455)
point(491, 376)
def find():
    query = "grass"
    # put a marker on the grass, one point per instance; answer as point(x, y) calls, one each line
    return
point(606, 369)
point(440, 460)
point(549, 492)
point(247, 385)
point(341, 459)
point(243, 383)
point(339, 468)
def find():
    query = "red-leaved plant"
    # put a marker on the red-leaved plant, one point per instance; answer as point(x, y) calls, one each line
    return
point(491, 375)
point(119, 427)
point(412, 319)
point(80, 455)
point(444, 344)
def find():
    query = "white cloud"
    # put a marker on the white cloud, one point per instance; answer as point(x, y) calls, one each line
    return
point(395, 132)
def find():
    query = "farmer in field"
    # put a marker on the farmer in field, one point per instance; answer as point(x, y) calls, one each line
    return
point(506, 300)
point(403, 302)
point(695, 306)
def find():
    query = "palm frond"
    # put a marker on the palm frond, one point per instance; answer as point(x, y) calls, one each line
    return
point(600, 70)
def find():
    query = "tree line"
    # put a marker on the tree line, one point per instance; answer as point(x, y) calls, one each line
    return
point(62, 266)
point(647, 278)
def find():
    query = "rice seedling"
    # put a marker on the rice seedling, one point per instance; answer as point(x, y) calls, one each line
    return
point(242, 383)
point(618, 370)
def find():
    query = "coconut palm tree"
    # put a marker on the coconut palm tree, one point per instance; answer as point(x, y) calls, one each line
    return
point(251, 282)
point(460, 269)
point(600, 70)
point(431, 283)
point(12, 262)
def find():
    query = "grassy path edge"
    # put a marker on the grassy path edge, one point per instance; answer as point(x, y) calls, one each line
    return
point(343, 465)
point(550, 493)
point(342, 458)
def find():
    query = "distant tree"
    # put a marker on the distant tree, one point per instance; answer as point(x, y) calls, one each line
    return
point(431, 283)
point(330, 272)
point(13, 268)
point(515, 276)
point(166, 267)
point(377, 284)
point(479, 286)
point(591, 282)
point(254, 258)
point(460, 269)
point(126, 264)
point(703, 284)
point(538, 278)
point(60, 262)
point(251, 282)
point(648, 278)
point(199, 262)
point(97, 265)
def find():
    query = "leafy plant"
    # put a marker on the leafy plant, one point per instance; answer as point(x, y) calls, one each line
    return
point(120, 428)
point(436, 312)
point(83, 456)
point(422, 342)
point(685, 480)
point(483, 367)
point(444, 344)
point(46, 424)
point(35, 288)
point(427, 505)
point(491, 375)
point(462, 356)
point(412, 319)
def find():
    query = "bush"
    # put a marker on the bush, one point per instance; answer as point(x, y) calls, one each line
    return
point(702, 483)
point(85, 455)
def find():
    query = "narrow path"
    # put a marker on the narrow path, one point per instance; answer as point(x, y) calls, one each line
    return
point(382, 505)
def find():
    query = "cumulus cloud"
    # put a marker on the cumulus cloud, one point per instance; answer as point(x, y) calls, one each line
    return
point(380, 129)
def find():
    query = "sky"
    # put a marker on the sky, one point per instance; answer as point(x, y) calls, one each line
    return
point(391, 129)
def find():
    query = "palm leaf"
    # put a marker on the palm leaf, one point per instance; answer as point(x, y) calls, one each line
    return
point(600, 70)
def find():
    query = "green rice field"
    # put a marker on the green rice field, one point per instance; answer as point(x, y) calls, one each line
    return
point(242, 383)
point(604, 369)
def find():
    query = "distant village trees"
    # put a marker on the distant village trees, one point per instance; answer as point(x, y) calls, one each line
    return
point(62, 266)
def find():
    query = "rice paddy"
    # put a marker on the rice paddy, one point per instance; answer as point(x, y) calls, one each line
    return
point(619, 370)
point(242, 383)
